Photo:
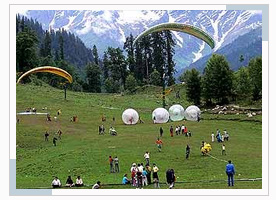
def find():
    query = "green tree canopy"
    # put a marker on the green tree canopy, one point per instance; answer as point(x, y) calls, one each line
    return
point(217, 79)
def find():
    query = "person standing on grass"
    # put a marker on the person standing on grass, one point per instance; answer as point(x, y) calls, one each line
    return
point(159, 144)
point(110, 159)
point(171, 131)
point(54, 141)
point(223, 152)
point(147, 157)
point(148, 169)
point(186, 131)
point(46, 135)
point(230, 171)
point(155, 176)
point(161, 131)
point(116, 162)
point(59, 134)
point(182, 129)
point(187, 151)
point(213, 137)
point(176, 130)
point(144, 177)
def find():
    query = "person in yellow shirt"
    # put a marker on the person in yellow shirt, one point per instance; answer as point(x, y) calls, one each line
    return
point(155, 177)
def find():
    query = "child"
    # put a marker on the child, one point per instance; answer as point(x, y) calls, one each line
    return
point(223, 152)
point(213, 136)
point(171, 131)
point(159, 144)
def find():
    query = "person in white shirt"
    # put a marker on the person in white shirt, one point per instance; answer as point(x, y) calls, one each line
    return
point(56, 183)
point(140, 167)
point(213, 136)
point(182, 129)
point(97, 185)
point(79, 182)
point(147, 157)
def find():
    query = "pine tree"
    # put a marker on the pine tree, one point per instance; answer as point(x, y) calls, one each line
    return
point(105, 66)
point(128, 46)
point(61, 47)
point(170, 43)
point(93, 77)
point(95, 55)
point(192, 81)
point(159, 58)
point(139, 69)
point(217, 79)
point(255, 75)
point(26, 50)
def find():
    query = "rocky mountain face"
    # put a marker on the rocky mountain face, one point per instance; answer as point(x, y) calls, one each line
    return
point(111, 27)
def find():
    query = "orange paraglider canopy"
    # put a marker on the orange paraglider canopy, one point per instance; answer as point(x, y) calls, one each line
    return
point(48, 69)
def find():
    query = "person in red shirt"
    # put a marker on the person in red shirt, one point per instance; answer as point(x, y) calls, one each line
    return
point(110, 159)
point(171, 131)
point(159, 144)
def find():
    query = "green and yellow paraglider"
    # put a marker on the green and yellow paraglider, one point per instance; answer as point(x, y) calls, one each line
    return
point(189, 29)
point(48, 69)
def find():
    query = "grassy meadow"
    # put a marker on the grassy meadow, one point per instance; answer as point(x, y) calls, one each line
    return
point(82, 151)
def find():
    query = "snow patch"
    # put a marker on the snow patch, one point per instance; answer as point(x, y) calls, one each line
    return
point(134, 16)
point(198, 54)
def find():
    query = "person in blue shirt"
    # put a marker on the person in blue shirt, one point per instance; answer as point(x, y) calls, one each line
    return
point(230, 171)
point(125, 180)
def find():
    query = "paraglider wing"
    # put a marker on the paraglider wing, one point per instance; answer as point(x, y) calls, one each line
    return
point(49, 69)
point(130, 116)
point(189, 29)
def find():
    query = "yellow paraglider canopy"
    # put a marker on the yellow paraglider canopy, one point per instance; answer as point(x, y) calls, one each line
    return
point(48, 69)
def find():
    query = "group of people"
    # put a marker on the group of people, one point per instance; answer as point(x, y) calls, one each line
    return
point(114, 164)
point(220, 137)
point(56, 183)
point(58, 133)
point(178, 131)
point(141, 175)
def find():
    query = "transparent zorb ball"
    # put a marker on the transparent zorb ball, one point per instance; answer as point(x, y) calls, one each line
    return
point(130, 116)
point(160, 115)
point(176, 112)
point(192, 113)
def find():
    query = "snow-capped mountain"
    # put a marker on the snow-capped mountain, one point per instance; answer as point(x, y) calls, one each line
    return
point(111, 27)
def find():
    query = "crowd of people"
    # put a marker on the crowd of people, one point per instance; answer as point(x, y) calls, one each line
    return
point(179, 130)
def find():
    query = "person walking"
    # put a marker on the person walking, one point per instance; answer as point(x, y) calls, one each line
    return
point(213, 136)
point(171, 131)
point(230, 171)
point(148, 169)
point(161, 131)
point(223, 152)
point(187, 151)
point(147, 157)
point(54, 141)
point(46, 135)
point(155, 176)
point(159, 144)
point(110, 159)
point(116, 162)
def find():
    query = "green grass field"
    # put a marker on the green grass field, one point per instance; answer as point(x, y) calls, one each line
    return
point(82, 151)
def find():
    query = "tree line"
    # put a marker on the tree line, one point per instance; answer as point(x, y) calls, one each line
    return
point(149, 61)
point(219, 84)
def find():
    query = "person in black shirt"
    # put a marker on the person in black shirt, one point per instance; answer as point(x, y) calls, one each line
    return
point(69, 182)
point(54, 141)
